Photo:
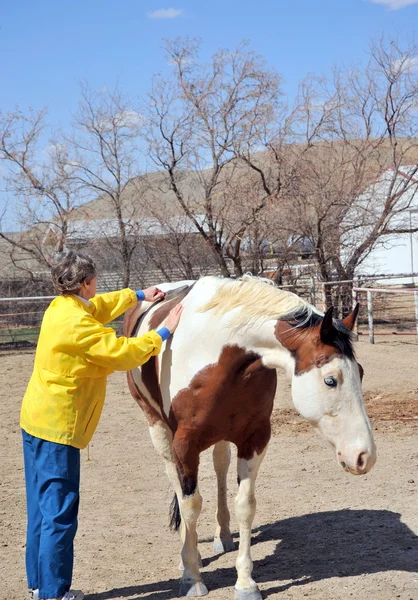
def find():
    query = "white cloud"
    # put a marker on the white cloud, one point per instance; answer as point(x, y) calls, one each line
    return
point(54, 149)
point(395, 4)
point(184, 62)
point(127, 118)
point(130, 119)
point(167, 13)
point(407, 64)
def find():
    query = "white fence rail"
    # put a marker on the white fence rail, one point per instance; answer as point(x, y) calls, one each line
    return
point(370, 292)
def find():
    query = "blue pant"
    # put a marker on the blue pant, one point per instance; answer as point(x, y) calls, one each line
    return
point(52, 474)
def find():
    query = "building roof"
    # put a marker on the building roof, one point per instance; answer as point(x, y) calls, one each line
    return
point(403, 183)
point(88, 229)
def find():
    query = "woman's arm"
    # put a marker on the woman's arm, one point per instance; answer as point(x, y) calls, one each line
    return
point(107, 307)
point(101, 346)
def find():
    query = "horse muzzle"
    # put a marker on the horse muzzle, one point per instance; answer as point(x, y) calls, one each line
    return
point(360, 463)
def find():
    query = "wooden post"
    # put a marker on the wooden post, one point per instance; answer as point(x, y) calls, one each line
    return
point(416, 310)
point(370, 316)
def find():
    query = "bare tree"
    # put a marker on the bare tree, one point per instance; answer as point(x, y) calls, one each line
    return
point(196, 122)
point(104, 144)
point(38, 182)
point(350, 130)
point(386, 97)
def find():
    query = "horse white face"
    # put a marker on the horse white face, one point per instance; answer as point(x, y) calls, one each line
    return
point(326, 387)
point(330, 397)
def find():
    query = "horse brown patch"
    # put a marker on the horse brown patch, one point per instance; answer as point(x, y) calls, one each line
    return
point(130, 319)
point(306, 346)
point(149, 373)
point(150, 412)
point(230, 400)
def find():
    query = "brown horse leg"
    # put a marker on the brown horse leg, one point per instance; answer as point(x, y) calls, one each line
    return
point(221, 459)
point(190, 504)
point(245, 505)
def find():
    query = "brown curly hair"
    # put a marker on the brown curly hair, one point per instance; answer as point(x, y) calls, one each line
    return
point(70, 270)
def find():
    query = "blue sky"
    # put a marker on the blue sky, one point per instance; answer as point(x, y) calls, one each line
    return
point(47, 46)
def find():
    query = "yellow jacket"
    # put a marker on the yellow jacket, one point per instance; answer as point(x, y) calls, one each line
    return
point(74, 356)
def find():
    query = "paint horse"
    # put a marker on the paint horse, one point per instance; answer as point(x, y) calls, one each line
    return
point(215, 382)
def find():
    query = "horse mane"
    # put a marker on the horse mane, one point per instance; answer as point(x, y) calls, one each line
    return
point(258, 300)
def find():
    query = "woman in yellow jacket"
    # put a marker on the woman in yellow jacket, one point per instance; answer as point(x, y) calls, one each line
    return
point(62, 406)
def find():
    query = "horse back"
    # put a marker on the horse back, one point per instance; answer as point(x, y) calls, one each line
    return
point(134, 316)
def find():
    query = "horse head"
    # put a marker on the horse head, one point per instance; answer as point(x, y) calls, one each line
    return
point(326, 384)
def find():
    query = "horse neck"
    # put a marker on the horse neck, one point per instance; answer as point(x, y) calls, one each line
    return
point(261, 339)
point(256, 336)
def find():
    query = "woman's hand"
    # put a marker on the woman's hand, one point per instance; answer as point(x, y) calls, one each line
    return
point(153, 293)
point(173, 318)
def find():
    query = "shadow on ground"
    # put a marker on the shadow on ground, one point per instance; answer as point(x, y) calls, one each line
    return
point(310, 548)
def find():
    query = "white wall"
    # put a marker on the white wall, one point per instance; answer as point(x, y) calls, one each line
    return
point(395, 258)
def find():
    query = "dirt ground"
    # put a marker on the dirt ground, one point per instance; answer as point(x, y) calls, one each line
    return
point(319, 533)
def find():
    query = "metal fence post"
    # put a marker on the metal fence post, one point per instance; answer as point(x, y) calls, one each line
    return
point(370, 316)
point(416, 310)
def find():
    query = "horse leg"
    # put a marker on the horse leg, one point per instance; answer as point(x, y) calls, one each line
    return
point(162, 439)
point(245, 505)
point(190, 504)
point(221, 459)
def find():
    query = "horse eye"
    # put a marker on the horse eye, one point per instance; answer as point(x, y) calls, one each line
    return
point(330, 381)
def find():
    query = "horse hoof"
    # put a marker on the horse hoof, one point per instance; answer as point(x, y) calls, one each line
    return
point(253, 594)
point(192, 590)
point(199, 563)
point(221, 546)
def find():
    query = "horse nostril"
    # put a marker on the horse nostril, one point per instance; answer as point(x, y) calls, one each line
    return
point(362, 461)
point(342, 463)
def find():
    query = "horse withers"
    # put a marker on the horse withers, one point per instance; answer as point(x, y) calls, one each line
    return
point(214, 383)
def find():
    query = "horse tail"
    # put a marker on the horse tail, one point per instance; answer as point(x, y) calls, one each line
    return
point(175, 516)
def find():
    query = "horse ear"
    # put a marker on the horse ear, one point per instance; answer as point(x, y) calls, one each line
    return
point(350, 320)
point(327, 326)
